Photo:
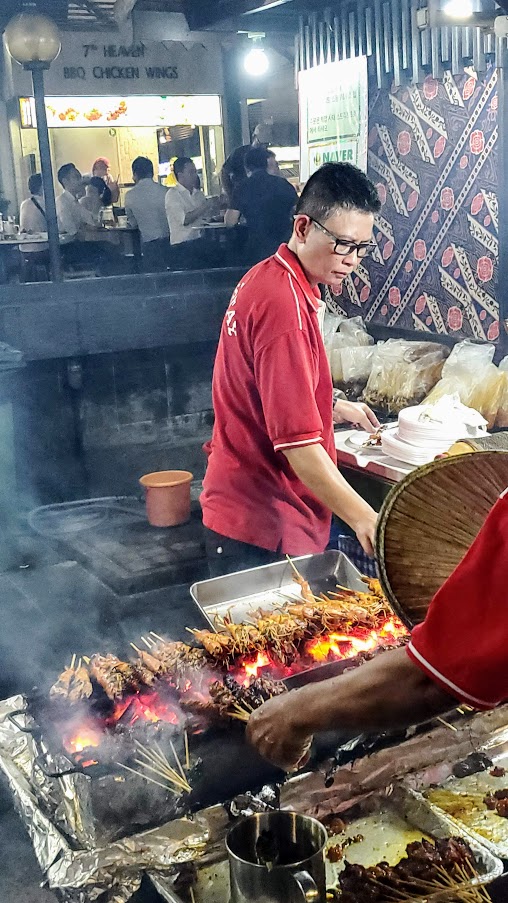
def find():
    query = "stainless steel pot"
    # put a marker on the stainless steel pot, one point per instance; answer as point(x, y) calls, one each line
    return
point(277, 857)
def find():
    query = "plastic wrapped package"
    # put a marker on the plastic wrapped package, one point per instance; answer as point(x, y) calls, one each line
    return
point(355, 333)
point(403, 373)
point(502, 412)
point(356, 369)
point(352, 337)
point(470, 373)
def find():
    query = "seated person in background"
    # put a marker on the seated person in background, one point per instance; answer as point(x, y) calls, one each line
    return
point(144, 206)
point(187, 209)
point(233, 171)
point(100, 169)
point(266, 202)
point(97, 196)
point(77, 223)
point(32, 214)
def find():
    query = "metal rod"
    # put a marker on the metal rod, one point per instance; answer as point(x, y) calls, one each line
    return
point(321, 40)
point(308, 63)
point(37, 71)
point(313, 32)
point(336, 28)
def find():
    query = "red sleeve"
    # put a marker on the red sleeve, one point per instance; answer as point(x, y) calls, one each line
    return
point(286, 381)
point(463, 642)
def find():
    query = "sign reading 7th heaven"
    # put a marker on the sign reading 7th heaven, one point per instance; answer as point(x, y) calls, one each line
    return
point(333, 102)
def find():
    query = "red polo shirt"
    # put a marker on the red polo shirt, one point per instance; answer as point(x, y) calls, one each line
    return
point(463, 642)
point(272, 390)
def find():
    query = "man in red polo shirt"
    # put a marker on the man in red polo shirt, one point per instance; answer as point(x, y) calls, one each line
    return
point(457, 654)
point(272, 479)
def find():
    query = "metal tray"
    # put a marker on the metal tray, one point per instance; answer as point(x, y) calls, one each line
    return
point(238, 595)
point(461, 799)
point(387, 825)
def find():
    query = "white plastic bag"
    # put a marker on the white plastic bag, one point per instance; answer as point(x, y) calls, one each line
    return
point(403, 373)
point(470, 373)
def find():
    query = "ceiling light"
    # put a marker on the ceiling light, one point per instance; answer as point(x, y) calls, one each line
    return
point(458, 9)
point(256, 62)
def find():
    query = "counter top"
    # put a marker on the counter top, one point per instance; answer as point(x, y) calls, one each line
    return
point(372, 461)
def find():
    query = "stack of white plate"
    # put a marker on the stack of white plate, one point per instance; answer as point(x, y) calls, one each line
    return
point(405, 451)
point(418, 439)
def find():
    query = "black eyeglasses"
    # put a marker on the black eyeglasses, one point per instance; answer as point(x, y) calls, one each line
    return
point(343, 247)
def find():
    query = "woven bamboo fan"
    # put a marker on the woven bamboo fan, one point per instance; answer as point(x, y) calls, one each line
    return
point(429, 521)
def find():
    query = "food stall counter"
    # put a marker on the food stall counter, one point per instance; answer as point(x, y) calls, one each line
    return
point(371, 461)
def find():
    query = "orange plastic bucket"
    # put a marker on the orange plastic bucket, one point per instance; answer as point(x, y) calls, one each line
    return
point(167, 497)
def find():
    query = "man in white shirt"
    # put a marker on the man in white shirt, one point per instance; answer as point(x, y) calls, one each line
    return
point(187, 209)
point(32, 215)
point(77, 223)
point(144, 206)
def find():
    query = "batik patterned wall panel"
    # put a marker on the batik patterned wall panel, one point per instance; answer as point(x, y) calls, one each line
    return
point(432, 154)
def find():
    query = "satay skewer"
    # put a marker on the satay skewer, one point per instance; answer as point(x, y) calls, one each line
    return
point(148, 778)
point(73, 661)
point(186, 744)
point(177, 760)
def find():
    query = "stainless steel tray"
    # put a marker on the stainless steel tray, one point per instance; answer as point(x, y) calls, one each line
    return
point(387, 825)
point(242, 593)
point(461, 799)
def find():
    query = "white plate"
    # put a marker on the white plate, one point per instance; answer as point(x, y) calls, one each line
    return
point(358, 440)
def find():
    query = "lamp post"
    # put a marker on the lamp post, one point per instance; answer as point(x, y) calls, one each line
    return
point(34, 42)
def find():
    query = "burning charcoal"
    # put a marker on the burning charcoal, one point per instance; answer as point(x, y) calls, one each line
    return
point(474, 763)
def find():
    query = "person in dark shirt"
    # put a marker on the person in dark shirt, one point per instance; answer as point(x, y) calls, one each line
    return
point(266, 202)
point(233, 171)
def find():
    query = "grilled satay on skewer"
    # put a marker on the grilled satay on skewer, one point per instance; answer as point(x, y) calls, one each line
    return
point(232, 700)
point(114, 676)
point(73, 684)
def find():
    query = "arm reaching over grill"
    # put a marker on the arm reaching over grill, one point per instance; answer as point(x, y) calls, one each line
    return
point(387, 692)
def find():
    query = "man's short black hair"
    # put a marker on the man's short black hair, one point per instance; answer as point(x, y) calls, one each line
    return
point(35, 183)
point(338, 186)
point(256, 158)
point(180, 164)
point(142, 167)
point(64, 172)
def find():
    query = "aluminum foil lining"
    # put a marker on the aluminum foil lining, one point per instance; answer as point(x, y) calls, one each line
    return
point(84, 874)
point(61, 832)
